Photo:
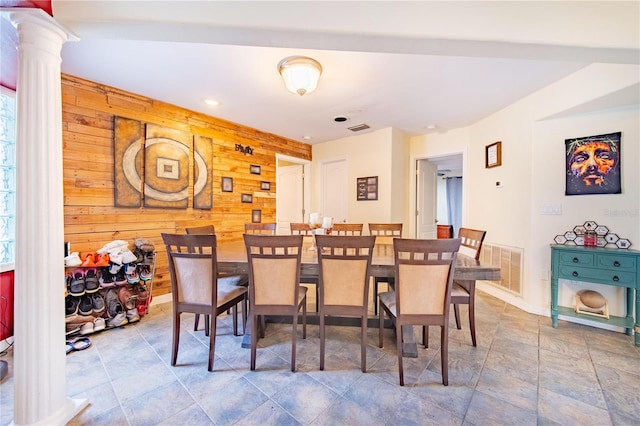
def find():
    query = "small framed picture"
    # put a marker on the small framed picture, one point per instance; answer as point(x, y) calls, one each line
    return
point(227, 184)
point(265, 186)
point(255, 170)
point(493, 155)
point(247, 198)
point(256, 216)
point(367, 188)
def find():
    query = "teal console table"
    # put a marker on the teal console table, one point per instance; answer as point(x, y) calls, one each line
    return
point(609, 266)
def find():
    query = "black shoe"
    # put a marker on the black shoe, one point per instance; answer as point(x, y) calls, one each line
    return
point(98, 303)
point(71, 306)
point(91, 284)
point(86, 305)
point(121, 277)
point(76, 287)
point(139, 255)
point(106, 278)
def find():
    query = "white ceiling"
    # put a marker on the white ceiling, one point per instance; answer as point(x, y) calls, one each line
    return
point(405, 65)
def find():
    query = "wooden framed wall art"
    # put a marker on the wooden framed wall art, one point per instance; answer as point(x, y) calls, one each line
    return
point(493, 155)
point(227, 184)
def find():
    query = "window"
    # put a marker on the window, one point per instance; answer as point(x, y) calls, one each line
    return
point(7, 179)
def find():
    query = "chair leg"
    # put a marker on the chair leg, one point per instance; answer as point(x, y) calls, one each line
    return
point(472, 319)
point(254, 339)
point(294, 337)
point(196, 322)
point(444, 353)
point(456, 312)
point(304, 317)
point(212, 342)
point(375, 296)
point(381, 324)
point(322, 337)
point(176, 337)
point(234, 311)
point(425, 336)
point(399, 350)
point(245, 311)
point(363, 343)
point(263, 325)
point(207, 328)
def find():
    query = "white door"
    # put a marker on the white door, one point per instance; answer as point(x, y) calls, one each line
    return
point(334, 190)
point(426, 199)
point(290, 198)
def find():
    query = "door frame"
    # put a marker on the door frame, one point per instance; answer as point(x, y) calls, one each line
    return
point(413, 186)
point(306, 182)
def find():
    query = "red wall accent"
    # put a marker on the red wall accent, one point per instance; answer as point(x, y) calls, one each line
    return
point(6, 304)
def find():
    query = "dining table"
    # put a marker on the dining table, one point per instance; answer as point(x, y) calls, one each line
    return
point(232, 259)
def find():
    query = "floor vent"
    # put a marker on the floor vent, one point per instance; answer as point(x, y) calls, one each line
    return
point(510, 260)
point(358, 127)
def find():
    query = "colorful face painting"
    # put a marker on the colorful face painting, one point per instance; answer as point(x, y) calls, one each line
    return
point(593, 165)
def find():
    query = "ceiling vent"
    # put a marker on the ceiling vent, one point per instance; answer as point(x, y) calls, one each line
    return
point(358, 127)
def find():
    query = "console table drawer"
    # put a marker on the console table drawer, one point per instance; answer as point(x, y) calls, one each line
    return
point(573, 258)
point(622, 263)
point(604, 276)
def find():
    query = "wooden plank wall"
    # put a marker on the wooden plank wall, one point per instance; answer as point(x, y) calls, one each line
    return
point(90, 218)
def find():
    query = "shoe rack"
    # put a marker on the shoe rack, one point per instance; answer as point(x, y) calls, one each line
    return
point(92, 307)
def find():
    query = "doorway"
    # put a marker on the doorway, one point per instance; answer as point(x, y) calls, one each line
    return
point(433, 205)
point(292, 191)
point(333, 190)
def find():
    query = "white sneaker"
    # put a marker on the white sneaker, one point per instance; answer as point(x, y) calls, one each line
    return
point(133, 315)
point(99, 324)
point(119, 319)
point(87, 328)
point(73, 259)
point(128, 257)
point(116, 258)
point(114, 246)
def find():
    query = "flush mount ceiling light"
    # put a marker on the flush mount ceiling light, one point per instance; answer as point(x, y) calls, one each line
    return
point(300, 74)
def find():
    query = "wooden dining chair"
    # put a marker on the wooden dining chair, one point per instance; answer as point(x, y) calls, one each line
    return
point(464, 292)
point(260, 228)
point(300, 229)
point(306, 230)
point(195, 287)
point(384, 233)
point(423, 280)
point(227, 279)
point(444, 231)
point(347, 229)
point(344, 263)
point(274, 284)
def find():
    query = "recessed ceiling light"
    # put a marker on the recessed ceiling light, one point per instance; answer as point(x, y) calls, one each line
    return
point(431, 126)
point(211, 102)
point(306, 138)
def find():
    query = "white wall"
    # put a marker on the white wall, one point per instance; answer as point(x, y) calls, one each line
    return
point(400, 195)
point(532, 169)
point(383, 153)
point(532, 132)
point(619, 212)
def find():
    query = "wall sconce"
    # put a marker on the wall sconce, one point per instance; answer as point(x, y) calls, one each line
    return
point(300, 74)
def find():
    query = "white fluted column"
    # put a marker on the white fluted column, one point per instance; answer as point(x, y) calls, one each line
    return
point(39, 331)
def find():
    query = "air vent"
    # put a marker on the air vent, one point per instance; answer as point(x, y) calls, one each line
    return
point(358, 127)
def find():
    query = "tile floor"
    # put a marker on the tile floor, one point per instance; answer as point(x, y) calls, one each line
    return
point(523, 372)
